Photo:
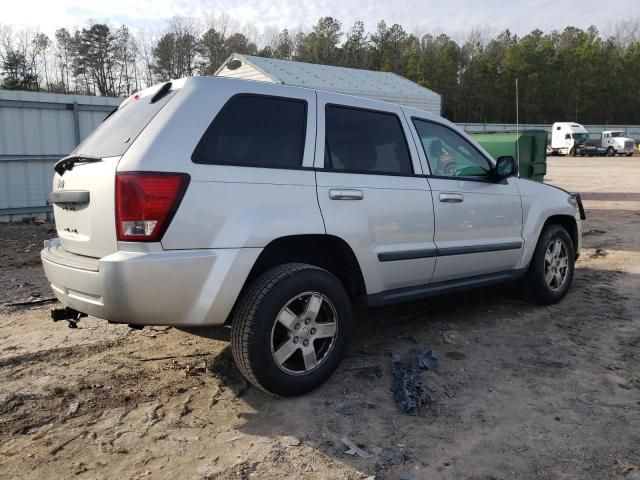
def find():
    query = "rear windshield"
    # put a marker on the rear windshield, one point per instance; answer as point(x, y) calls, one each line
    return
point(119, 130)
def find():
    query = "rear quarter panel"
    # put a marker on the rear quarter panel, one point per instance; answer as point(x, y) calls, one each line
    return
point(227, 206)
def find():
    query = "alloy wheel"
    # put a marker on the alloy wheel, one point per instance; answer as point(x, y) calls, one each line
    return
point(556, 264)
point(304, 333)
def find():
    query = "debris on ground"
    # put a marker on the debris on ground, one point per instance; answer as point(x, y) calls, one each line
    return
point(73, 408)
point(452, 337)
point(593, 231)
point(344, 409)
point(292, 441)
point(449, 391)
point(369, 372)
point(599, 252)
point(354, 449)
point(426, 359)
point(409, 392)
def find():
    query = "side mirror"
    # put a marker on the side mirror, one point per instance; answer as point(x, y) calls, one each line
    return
point(505, 167)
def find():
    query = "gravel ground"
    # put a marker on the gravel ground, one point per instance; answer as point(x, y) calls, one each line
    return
point(522, 392)
point(21, 276)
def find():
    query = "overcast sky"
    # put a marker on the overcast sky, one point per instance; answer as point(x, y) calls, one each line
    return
point(449, 16)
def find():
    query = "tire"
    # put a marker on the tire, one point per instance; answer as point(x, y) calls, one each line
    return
point(629, 154)
point(534, 284)
point(257, 335)
point(572, 152)
point(611, 152)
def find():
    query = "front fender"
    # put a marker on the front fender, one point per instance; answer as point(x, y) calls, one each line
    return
point(541, 202)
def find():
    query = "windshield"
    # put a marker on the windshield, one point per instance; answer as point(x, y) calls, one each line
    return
point(119, 130)
point(580, 136)
point(617, 134)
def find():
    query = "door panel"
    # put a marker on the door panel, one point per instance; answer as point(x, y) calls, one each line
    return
point(487, 224)
point(478, 222)
point(386, 219)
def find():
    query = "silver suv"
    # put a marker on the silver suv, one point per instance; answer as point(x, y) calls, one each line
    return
point(269, 208)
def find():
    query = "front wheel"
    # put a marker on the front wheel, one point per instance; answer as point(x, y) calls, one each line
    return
point(552, 266)
point(629, 154)
point(610, 152)
point(290, 329)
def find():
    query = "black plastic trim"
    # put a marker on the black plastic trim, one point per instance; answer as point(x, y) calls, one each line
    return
point(496, 247)
point(407, 255)
point(369, 172)
point(419, 292)
point(162, 91)
point(583, 215)
point(494, 181)
point(70, 196)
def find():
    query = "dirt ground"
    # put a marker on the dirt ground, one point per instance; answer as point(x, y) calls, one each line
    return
point(522, 392)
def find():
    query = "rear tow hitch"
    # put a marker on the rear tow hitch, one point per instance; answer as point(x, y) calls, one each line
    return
point(69, 314)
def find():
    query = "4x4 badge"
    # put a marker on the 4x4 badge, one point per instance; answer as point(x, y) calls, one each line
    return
point(60, 184)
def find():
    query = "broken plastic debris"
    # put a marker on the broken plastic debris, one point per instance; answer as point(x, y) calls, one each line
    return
point(344, 409)
point(354, 449)
point(409, 392)
point(426, 359)
point(449, 392)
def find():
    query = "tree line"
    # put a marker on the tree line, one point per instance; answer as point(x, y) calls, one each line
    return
point(574, 74)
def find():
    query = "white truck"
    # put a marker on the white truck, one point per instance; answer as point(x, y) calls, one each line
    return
point(614, 142)
point(568, 138)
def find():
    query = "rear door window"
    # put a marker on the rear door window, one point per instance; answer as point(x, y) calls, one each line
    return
point(365, 141)
point(256, 131)
point(118, 131)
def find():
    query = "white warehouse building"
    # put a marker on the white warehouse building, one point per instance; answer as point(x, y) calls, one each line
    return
point(385, 86)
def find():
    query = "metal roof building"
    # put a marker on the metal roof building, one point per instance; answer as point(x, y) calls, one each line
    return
point(385, 86)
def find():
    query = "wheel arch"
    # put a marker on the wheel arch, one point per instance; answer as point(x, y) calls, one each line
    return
point(569, 223)
point(329, 252)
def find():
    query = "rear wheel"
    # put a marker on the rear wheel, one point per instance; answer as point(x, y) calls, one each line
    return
point(291, 328)
point(551, 269)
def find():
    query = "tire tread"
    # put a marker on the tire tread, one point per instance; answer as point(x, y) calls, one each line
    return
point(244, 321)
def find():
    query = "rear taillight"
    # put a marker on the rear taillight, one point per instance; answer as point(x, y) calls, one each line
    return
point(146, 202)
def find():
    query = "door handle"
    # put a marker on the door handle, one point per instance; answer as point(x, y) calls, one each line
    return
point(451, 197)
point(345, 194)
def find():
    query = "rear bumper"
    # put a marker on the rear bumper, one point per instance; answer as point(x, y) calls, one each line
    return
point(179, 287)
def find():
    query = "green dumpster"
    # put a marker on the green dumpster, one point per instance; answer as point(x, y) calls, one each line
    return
point(529, 147)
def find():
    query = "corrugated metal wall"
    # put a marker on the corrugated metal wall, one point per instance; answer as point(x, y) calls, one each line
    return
point(632, 131)
point(36, 130)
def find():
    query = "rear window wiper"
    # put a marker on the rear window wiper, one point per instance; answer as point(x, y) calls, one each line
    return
point(68, 163)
